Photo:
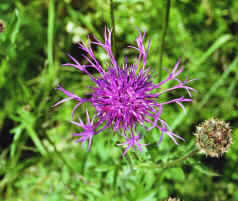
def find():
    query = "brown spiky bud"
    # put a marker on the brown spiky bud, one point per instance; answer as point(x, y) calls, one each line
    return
point(173, 199)
point(213, 137)
point(2, 26)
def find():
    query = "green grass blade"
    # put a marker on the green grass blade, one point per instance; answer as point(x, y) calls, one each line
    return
point(50, 34)
point(212, 49)
point(218, 83)
point(218, 43)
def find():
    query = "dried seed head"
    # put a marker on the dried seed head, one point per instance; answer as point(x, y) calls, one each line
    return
point(213, 137)
point(173, 199)
point(2, 26)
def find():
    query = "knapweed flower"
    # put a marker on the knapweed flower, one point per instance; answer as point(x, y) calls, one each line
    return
point(124, 96)
point(213, 137)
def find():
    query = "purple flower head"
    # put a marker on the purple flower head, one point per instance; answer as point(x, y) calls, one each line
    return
point(125, 96)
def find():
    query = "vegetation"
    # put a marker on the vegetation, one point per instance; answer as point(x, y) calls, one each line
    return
point(39, 158)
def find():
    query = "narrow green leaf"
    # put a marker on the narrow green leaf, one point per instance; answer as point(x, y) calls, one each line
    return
point(202, 168)
point(36, 140)
point(27, 121)
point(17, 131)
point(219, 82)
point(218, 43)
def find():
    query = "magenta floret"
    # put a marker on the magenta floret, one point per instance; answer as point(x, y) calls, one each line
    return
point(124, 97)
point(132, 141)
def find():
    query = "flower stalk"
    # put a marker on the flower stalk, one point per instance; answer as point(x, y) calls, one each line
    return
point(180, 160)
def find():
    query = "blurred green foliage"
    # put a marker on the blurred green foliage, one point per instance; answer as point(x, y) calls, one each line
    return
point(39, 159)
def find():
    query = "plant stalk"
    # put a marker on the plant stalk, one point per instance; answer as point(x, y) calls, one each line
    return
point(179, 160)
point(165, 28)
point(113, 26)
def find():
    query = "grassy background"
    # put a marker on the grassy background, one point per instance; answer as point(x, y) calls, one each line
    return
point(39, 159)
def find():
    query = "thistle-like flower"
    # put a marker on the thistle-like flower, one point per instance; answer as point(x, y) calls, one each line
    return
point(213, 137)
point(125, 96)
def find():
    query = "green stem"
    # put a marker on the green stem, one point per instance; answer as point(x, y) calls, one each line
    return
point(115, 176)
point(49, 72)
point(165, 28)
point(50, 33)
point(170, 164)
point(84, 161)
point(179, 160)
point(113, 26)
point(61, 157)
point(58, 153)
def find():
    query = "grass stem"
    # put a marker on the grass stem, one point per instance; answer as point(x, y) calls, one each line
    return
point(50, 32)
point(165, 28)
point(113, 27)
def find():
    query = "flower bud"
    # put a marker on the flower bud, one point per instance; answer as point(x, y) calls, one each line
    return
point(213, 137)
